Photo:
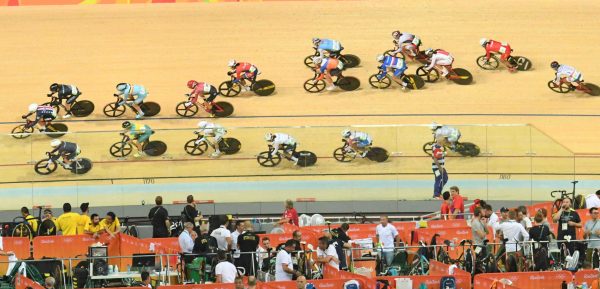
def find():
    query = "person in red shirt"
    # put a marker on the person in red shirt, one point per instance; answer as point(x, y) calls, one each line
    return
point(199, 89)
point(501, 48)
point(242, 71)
point(445, 208)
point(290, 215)
point(476, 203)
point(458, 204)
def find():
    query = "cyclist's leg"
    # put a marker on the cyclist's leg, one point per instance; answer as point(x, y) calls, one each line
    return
point(136, 103)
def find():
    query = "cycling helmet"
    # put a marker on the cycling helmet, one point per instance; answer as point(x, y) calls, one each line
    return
point(33, 107)
point(123, 86)
point(429, 52)
point(202, 124)
point(317, 59)
point(126, 124)
point(346, 133)
point(435, 125)
point(55, 142)
point(396, 34)
point(380, 58)
point(54, 87)
point(316, 40)
point(192, 84)
point(231, 63)
point(554, 65)
point(483, 41)
point(268, 136)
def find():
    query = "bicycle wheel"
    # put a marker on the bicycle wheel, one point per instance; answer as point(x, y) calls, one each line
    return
point(341, 156)
point(222, 109)
point(467, 149)
point(563, 87)
point(378, 154)
point(113, 110)
point(194, 149)
point(266, 160)
point(22, 230)
point(428, 76)
point(348, 83)
point(314, 86)
point(120, 149)
point(229, 89)
point(308, 61)
point(20, 132)
point(82, 108)
point(263, 87)
point(413, 81)
point(350, 60)
point(56, 130)
point(230, 145)
point(306, 158)
point(486, 64)
point(81, 166)
point(184, 111)
point(428, 148)
point(383, 83)
point(155, 148)
point(463, 76)
point(521, 62)
point(44, 167)
point(592, 89)
point(150, 108)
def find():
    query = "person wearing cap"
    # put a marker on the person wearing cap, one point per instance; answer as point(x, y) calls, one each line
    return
point(284, 267)
point(48, 216)
point(84, 218)
point(67, 222)
point(503, 214)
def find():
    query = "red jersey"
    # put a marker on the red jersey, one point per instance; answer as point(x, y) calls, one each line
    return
point(445, 210)
point(443, 52)
point(458, 206)
point(243, 67)
point(495, 46)
point(292, 215)
point(200, 89)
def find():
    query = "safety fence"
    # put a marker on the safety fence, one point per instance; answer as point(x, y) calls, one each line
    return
point(87, 2)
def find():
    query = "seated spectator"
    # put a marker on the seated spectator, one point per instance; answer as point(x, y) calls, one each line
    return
point(49, 283)
point(186, 242)
point(111, 223)
point(445, 208)
point(239, 283)
point(302, 284)
point(458, 204)
point(290, 215)
point(284, 267)
point(95, 228)
point(146, 280)
point(223, 236)
point(159, 217)
point(326, 254)
point(67, 222)
point(251, 282)
point(225, 271)
point(593, 200)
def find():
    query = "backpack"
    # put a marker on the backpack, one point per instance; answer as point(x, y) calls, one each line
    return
point(351, 284)
point(448, 282)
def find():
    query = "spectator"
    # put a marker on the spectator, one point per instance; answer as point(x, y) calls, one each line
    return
point(84, 218)
point(478, 228)
point(503, 214)
point(284, 268)
point(297, 237)
point(31, 220)
point(458, 204)
point(111, 223)
point(514, 232)
point(190, 213)
point(248, 244)
point(239, 229)
point(146, 280)
point(49, 282)
point(591, 232)
point(340, 245)
point(290, 215)
point(223, 236)
point(159, 217)
point(445, 208)
point(48, 216)
point(523, 217)
point(239, 283)
point(67, 222)
point(225, 271)
point(593, 200)
point(491, 216)
point(477, 203)
point(265, 253)
point(201, 244)
point(388, 237)
point(94, 227)
point(340, 233)
point(568, 222)
point(326, 254)
point(544, 212)
point(186, 242)
point(251, 282)
point(302, 284)
point(540, 232)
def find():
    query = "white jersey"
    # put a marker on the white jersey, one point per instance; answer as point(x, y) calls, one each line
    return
point(405, 37)
point(440, 58)
point(282, 139)
point(569, 72)
point(360, 136)
point(451, 133)
point(213, 129)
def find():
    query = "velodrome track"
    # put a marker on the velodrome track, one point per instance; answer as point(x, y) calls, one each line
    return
point(163, 46)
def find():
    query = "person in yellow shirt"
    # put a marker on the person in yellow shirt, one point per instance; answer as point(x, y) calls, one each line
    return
point(95, 227)
point(111, 223)
point(84, 218)
point(67, 222)
point(33, 222)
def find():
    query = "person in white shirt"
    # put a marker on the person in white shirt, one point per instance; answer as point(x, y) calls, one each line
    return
point(223, 237)
point(566, 73)
point(264, 253)
point(593, 200)
point(388, 237)
point(523, 217)
point(239, 229)
point(513, 232)
point(225, 271)
point(326, 254)
point(186, 242)
point(284, 268)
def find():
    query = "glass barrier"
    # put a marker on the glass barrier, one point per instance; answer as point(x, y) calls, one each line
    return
point(516, 162)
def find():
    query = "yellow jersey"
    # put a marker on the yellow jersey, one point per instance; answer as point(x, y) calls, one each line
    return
point(67, 223)
point(84, 220)
point(33, 222)
point(93, 229)
point(114, 227)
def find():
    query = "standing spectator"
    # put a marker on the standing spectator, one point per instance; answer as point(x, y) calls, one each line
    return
point(49, 282)
point(225, 271)
point(445, 208)
point(297, 237)
point(438, 166)
point(31, 220)
point(458, 204)
point(340, 233)
point(111, 223)
point(477, 203)
point(94, 227)
point(248, 244)
point(326, 254)
point(388, 237)
point(523, 217)
point(591, 232)
point(146, 280)
point(514, 233)
point(544, 212)
point(48, 216)
point(186, 242)
point(265, 253)
point(284, 269)
point(190, 213)
point(84, 218)
point(540, 233)
point(159, 216)
point(478, 228)
point(201, 244)
point(568, 222)
point(67, 222)
point(341, 241)
point(290, 215)
point(239, 283)
point(491, 216)
point(239, 229)
point(504, 214)
point(593, 200)
point(223, 236)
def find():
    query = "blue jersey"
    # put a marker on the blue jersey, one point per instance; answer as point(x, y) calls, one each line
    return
point(330, 45)
point(44, 112)
point(393, 62)
point(135, 90)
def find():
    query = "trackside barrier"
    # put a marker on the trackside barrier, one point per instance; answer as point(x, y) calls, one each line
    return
point(526, 280)
point(22, 282)
point(483, 282)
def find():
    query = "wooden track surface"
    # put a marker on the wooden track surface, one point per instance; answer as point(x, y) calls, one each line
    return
point(163, 46)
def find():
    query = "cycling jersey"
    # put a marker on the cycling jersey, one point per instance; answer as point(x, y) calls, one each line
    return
point(201, 89)
point(399, 65)
point(329, 45)
point(329, 64)
point(448, 132)
point(246, 68)
point(569, 72)
point(213, 130)
point(361, 139)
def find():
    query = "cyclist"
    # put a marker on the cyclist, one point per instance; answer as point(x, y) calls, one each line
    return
point(438, 166)
point(139, 135)
point(568, 73)
point(242, 71)
point(441, 59)
point(65, 91)
point(446, 135)
point(502, 48)
point(208, 129)
point(406, 42)
point(395, 65)
point(44, 115)
point(134, 94)
point(284, 142)
point(358, 141)
point(327, 68)
point(67, 150)
point(332, 47)
point(201, 89)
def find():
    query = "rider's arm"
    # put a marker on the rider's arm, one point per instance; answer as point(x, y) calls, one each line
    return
point(275, 146)
point(434, 60)
point(238, 72)
point(487, 52)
